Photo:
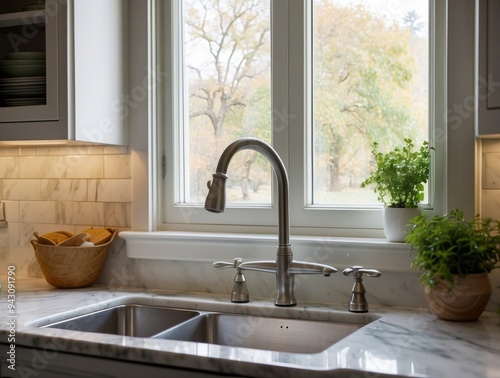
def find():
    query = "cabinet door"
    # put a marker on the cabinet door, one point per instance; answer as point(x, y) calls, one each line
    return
point(29, 63)
point(488, 80)
point(99, 64)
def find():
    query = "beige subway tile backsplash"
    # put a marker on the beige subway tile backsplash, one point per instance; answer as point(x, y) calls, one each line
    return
point(491, 171)
point(115, 150)
point(80, 213)
point(490, 145)
point(117, 214)
point(117, 167)
point(9, 167)
point(490, 204)
point(490, 179)
point(40, 167)
point(63, 188)
point(11, 209)
point(38, 212)
point(11, 151)
point(83, 166)
point(21, 190)
point(110, 190)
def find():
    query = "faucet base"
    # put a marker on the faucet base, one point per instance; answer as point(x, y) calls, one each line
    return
point(285, 304)
point(285, 281)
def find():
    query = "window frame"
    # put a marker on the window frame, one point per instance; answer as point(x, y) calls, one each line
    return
point(290, 88)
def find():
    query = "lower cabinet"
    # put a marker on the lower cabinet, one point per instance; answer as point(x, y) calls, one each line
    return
point(47, 363)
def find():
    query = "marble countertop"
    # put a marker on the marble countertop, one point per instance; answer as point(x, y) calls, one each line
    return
point(395, 342)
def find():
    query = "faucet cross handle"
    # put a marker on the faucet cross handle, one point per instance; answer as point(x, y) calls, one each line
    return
point(358, 302)
point(223, 265)
point(239, 293)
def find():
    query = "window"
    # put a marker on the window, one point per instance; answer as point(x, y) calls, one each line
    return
point(227, 83)
point(369, 83)
point(320, 80)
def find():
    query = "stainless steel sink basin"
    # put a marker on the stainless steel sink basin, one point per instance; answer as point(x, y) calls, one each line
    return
point(248, 331)
point(127, 320)
point(283, 335)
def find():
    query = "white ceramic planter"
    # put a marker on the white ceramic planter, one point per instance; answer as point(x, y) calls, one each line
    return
point(395, 222)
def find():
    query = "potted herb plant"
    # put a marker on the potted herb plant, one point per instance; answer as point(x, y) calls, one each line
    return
point(455, 257)
point(399, 177)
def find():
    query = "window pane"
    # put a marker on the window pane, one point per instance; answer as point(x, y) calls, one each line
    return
point(228, 86)
point(370, 83)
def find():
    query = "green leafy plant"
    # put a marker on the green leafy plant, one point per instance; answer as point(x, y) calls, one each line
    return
point(448, 245)
point(399, 175)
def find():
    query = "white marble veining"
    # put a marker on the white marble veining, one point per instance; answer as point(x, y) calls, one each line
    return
point(397, 341)
point(9, 167)
point(117, 214)
point(90, 166)
point(64, 190)
point(117, 166)
point(21, 190)
point(39, 167)
point(115, 190)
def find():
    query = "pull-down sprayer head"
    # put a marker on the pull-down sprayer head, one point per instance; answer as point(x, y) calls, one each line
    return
point(216, 198)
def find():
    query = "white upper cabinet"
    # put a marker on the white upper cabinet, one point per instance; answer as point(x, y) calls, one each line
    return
point(488, 80)
point(63, 71)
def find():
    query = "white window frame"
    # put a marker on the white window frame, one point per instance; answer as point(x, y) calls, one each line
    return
point(458, 171)
point(290, 88)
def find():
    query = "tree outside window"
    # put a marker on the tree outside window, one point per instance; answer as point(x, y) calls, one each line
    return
point(370, 83)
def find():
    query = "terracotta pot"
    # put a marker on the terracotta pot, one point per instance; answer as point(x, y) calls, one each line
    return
point(465, 302)
point(396, 221)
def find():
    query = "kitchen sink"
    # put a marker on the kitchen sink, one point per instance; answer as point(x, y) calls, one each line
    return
point(247, 331)
point(282, 335)
point(127, 320)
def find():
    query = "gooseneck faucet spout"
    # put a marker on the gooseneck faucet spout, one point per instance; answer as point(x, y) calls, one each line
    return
point(216, 199)
point(284, 267)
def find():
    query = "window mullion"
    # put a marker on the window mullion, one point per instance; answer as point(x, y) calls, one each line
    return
point(280, 76)
point(280, 86)
point(298, 111)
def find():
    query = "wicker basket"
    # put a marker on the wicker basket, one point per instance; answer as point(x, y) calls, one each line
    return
point(71, 267)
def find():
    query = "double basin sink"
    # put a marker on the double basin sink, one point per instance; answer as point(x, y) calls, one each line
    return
point(235, 330)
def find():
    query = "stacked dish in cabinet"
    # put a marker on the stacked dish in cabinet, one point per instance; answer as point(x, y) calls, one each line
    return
point(23, 79)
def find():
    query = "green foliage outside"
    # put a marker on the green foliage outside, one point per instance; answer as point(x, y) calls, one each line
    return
point(367, 87)
point(364, 72)
point(448, 245)
point(399, 175)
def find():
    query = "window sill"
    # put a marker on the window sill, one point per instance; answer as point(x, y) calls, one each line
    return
point(209, 247)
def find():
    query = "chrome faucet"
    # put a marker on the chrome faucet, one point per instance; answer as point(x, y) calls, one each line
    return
point(284, 267)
